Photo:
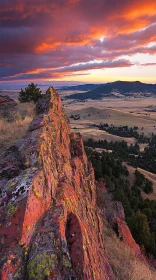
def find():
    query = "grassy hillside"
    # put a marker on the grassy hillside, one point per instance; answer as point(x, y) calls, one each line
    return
point(119, 253)
point(122, 88)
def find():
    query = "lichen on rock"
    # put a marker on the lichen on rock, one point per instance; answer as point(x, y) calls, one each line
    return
point(54, 229)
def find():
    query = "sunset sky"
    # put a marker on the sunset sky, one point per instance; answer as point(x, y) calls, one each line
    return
point(78, 40)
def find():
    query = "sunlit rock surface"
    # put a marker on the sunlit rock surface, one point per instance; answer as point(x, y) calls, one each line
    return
point(115, 215)
point(125, 235)
point(50, 227)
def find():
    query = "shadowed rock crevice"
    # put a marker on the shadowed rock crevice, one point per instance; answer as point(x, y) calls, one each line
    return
point(11, 163)
point(75, 244)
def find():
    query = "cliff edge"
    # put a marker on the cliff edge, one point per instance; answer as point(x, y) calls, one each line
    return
point(50, 227)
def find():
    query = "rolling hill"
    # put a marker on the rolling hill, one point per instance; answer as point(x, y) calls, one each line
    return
point(118, 89)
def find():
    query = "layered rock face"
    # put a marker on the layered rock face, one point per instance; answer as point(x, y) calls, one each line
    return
point(50, 227)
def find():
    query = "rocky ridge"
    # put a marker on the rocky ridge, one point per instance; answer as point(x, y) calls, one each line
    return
point(50, 227)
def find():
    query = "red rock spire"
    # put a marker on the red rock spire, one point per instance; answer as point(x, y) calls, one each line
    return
point(49, 225)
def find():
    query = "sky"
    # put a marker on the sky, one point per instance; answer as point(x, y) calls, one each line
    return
point(77, 40)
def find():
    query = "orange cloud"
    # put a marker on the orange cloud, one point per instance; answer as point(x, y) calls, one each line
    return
point(141, 8)
point(51, 34)
point(46, 46)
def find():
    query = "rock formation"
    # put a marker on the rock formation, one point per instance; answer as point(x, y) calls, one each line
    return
point(124, 234)
point(115, 215)
point(50, 227)
point(7, 107)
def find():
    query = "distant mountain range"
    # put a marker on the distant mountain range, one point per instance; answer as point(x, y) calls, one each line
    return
point(85, 87)
point(115, 89)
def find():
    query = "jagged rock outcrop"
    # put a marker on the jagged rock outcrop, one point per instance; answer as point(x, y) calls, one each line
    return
point(115, 215)
point(124, 234)
point(50, 227)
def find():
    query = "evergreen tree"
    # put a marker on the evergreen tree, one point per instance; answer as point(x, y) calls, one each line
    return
point(31, 93)
point(140, 229)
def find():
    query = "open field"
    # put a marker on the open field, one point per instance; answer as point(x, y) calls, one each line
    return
point(96, 134)
point(116, 111)
point(132, 111)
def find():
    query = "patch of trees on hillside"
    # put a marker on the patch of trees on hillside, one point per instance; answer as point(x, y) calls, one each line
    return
point(130, 154)
point(140, 214)
point(124, 131)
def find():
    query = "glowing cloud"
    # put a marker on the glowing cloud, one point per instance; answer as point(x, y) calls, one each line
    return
point(75, 39)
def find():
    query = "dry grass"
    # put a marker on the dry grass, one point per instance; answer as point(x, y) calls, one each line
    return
point(150, 176)
point(114, 111)
point(96, 135)
point(10, 132)
point(125, 264)
point(26, 109)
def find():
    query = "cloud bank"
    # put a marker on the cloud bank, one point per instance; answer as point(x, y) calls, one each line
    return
point(54, 39)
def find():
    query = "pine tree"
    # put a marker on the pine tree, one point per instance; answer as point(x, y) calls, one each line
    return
point(31, 93)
